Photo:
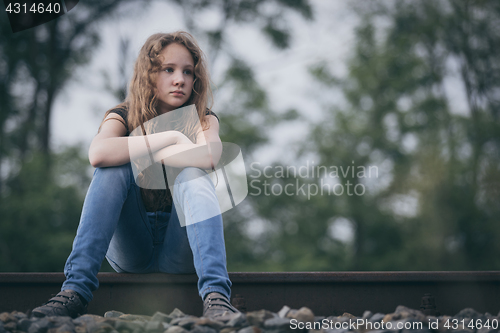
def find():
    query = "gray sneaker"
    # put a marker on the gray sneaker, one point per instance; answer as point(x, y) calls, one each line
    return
point(65, 303)
point(217, 305)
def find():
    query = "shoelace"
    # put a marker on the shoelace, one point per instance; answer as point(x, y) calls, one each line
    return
point(213, 301)
point(61, 298)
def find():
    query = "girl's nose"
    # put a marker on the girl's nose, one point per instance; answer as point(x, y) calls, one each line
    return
point(178, 78)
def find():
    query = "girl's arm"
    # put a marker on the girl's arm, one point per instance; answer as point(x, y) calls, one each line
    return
point(206, 150)
point(110, 147)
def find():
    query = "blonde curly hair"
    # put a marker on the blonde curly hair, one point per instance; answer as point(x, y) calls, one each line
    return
point(142, 101)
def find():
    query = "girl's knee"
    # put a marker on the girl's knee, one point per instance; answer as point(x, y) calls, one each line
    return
point(189, 174)
point(121, 171)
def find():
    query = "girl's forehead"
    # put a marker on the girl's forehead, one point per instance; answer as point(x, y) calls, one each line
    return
point(176, 54)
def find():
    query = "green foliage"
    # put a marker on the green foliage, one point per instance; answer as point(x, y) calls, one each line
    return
point(434, 202)
point(40, 212)
point(399, 115)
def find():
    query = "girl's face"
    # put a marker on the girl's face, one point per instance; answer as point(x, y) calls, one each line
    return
point(174, 83)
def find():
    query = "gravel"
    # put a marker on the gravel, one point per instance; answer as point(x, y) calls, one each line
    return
point(402, 320)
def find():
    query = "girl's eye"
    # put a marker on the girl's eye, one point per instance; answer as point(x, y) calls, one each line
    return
point(169, 70)
point(188, 72)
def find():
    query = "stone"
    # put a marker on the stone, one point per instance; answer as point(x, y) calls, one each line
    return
point(228, 330)
point(176, 329)
point(404, 315)
point(160, 316)
point(377, 317)
point(257, 318)
point(113, 314)
point(24, 325)
point(101, 327)
point(250, 329)
point(468, 313)
point(166, 326)
point(59, 321)
point(203, 321)
point(347, 315)
point(277, 324)
point(303, 314)
point(130, 326)
point(19, 315)
point(10, 326)
point(283, 312)
point(6, 317)
point(367, 315)
point(65, 328)
point(132, 317)
point(403, 312)
point(39, 326)
point(89, 318)
point(176, 313)
point(154, 326)
point(238, 320)
point(93, 324)
point(202, 329)
point(186, 322)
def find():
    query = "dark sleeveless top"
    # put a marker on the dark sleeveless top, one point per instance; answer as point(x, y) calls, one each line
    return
point(123, 112)
point(154, 200)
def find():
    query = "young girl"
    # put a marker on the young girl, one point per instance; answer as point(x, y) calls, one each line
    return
point(137, 229)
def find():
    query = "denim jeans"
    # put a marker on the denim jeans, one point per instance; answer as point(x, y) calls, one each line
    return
point(114, 224)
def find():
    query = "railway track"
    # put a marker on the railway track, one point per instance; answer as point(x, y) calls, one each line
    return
point(325, 293)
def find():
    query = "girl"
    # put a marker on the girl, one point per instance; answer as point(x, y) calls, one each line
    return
point(137, 229)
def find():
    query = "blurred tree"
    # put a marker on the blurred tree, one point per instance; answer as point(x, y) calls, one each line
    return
point(39, 208)
point(36, 64)
point(435, 203)
point(40, 212)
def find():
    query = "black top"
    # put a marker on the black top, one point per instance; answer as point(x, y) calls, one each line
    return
point(123, 112)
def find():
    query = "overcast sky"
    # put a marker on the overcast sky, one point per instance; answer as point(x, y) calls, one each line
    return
point(283, 74)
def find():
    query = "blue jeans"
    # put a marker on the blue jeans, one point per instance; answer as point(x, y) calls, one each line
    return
point(114, 224)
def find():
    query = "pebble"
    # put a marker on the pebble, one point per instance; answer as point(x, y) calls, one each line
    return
point(203, 329)
point(262, 321)
point(217, 325)
point(176, 329)
point(250, 329)
point(303, 314)
point(284, 311)
point(376, 318)
point(177, 313)
point(256, 318)
point(185, 322)
point(237, 320)
point(160, 316)
point(277, 323)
